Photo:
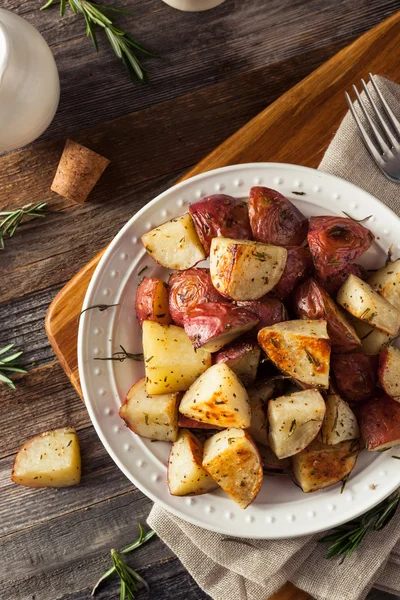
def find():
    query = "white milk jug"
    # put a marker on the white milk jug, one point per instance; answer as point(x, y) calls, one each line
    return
point(29, 82)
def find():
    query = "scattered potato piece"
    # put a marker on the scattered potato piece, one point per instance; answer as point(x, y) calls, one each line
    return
point(386, 281)
point(217, 397)
point(232, 459)
point(319, 466)
point(152, 301)
point(389, 372)
point(360, 300)
point(51, 459)
point(340, 423)
point(372, 340)
point(171, 362)
point(175, 244)
point(153, 417)
point(244, 270)
point(243, 357)
point(355, 375)
point(294, 421)
point(185, 474)
point(379, 420)
point(300, 349)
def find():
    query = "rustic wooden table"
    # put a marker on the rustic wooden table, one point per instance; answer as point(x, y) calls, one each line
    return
point(218, 69)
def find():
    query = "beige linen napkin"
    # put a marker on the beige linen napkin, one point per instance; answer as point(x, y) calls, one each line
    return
point(229, 568)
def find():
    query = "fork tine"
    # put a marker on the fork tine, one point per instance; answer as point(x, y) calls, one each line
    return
point(385, 148)
point(367, 141)
point(378, 115)
point(391, 116)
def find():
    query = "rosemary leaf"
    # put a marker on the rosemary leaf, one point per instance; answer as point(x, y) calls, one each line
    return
point(9, 364)
point(13, 218)
point(122, 355)
point(356, 220)
point(101, 307)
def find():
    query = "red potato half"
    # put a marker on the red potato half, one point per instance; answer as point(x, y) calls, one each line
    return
point(355, 375)
point(333, 282)
point(310, 301)
point(298, 267)
point(336, 241)
point(220, 215)
point(274, 219)
point(212, 325)
point(379, 420)
point(188, 288)
point(269, 310)
point(389, 372)
point(243, 357)
point(152, 301)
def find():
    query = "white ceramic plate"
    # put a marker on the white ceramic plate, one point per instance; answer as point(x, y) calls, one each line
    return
point(281, 509)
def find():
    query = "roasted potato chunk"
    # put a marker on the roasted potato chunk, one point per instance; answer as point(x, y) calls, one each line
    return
point(355, 375)
point(386, 281)
point(270, 462)
point(268, 309)
point(389, 372)
point(185, 474)
point(153, 417)
point(372, 340)
point(175, 244)
point(244, 270)
point(232, 459)
point(294, 421)
point(220, 215)
point(171, 362)
point(336, 241)
point(212, 325)
point(319, 466)
point(259, 423)
point(360, 300)
point(274, 219)
point(188, 288)
point(51, 459)
point(379, 420)
point(301, 349)
point(333, 282)
point(298, 267)
point(242, 356)
point(152, 301)
point(310, 301)
point(218, 398)
point(340, 423)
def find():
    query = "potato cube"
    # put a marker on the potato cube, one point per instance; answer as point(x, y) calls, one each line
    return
point(386, 281)
point(340, 423)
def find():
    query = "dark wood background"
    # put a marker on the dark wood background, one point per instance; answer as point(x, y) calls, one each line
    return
point(218, 69)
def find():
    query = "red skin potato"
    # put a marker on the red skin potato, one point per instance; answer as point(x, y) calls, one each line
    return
point(379, 420)
point(389, 373)
point(189, 288)
point(336, 241)
point(274, 219)
point(332, 283)
point(310, 301)
point(268, 309)
point(151, 302)
point(299, 266)
point(355, 375)
point(242, 356)
point(188, 423)
point(220, 215)
point(210, 320)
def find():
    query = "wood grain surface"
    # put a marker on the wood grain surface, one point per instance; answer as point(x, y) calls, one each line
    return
point(218, 70)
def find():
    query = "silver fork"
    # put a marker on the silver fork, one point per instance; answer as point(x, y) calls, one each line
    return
point(384, 142)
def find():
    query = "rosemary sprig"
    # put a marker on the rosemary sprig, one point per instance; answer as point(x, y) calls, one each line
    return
point(356, 220)
point(122, 355)
point(101, 308)
point(346, 538)
point(12, 218)
point(127, 575)
point(9, 364)
point(124, 45)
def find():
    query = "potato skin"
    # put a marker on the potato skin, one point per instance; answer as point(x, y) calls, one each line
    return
point(268, 309)
point(389, 372)
point(333, 282)
point(274, 219)
point(220, 215)
point(310, 301)
point(189, 288)
point(298, 267)
point(243, 357)
point(355, 375)
point(188, 423)
point(152, 301)
point(336, 241)
point(379, 420)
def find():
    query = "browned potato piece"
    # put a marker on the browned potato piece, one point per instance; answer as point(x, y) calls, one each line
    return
point(372, 340)
point(244, 270)
point(355, 375)
point(319, 466)
point(340, 423)
point(185, 474)
point(153, 417)
point(301, 349)
point(386, 281)
point(242, 356)
point(389, 372)
point(379, 420)
point(232, 459)
point(152, 301)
